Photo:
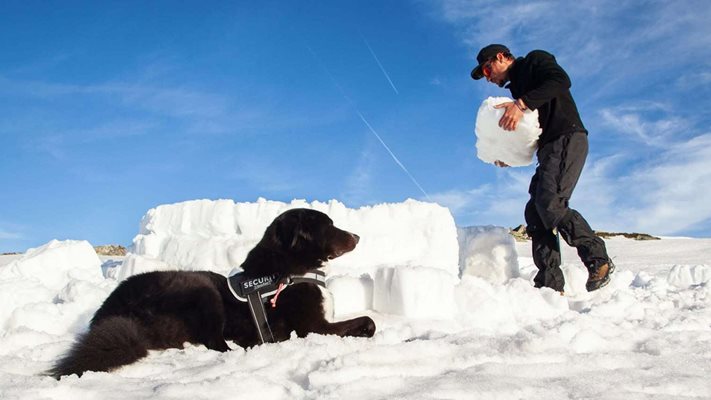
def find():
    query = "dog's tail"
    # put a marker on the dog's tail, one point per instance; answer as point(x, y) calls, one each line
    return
point(110, 343)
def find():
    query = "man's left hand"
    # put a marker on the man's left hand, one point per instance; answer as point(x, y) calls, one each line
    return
point(512, 115)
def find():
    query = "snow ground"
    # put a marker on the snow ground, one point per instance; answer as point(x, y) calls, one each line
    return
point(645, 336)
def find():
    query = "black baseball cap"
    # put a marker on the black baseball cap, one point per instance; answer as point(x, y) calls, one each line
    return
point(485, 55)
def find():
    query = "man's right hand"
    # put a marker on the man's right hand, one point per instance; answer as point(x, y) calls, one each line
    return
point(500, 164)
point(512, 115)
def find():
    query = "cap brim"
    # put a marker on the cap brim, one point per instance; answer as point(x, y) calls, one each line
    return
point(476, 73)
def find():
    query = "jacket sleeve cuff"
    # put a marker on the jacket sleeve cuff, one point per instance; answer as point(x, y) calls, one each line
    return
point(531, 105)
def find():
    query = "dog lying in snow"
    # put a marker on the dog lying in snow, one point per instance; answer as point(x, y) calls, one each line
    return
point(165, 309)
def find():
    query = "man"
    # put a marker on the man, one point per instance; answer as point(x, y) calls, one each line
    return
point(537, 82)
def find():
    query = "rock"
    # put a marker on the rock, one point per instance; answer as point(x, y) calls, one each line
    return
point(633, 235)
point(110, 250)
point(519, 233)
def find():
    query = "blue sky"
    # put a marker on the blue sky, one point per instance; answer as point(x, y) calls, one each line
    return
point(110, 109)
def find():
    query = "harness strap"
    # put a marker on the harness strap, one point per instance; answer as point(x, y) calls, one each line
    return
point(316, 277)
point(256, 291)
point(259, 315)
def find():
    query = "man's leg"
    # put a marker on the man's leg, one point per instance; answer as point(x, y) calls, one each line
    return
point(576, 231)
point(545, 249)
point(564, 161)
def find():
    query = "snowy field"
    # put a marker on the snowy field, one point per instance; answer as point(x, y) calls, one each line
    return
point(456, 315)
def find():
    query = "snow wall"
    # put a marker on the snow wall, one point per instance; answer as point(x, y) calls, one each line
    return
point(409, 261)
point(217, 235)
point(406, 263)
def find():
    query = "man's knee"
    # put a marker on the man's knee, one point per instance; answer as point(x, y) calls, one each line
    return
point(534, 225)
point(551, 210)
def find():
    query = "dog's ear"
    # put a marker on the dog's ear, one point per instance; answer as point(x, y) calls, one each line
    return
point(287, 231)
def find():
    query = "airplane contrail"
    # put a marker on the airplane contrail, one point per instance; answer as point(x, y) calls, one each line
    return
point(367, 124)
point(393, 155)
point(380, 65)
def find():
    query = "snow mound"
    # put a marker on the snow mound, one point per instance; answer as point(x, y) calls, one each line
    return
point(494, 143)
point(686, 276)
point(506, 308)
point(48, 281)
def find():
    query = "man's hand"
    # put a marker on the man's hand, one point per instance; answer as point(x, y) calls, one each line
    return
point(512, 115)
point(500, 164)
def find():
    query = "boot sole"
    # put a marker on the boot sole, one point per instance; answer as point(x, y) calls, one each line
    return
point(595, 285)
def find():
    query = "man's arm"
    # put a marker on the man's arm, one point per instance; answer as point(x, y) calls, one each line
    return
point(549, 80)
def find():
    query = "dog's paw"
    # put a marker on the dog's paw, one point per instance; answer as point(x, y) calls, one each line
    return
point(366, 327)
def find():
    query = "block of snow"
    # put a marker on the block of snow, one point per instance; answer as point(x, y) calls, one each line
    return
point(414, 292)
point(488, 252)
point(493, 143)
point(351, 294)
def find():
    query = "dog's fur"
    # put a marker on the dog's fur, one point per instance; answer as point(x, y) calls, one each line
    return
point(160, 310)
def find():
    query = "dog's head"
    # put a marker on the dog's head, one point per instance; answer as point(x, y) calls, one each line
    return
point(307, 238)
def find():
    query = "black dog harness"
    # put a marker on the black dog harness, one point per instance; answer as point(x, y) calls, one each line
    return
point(256, 292)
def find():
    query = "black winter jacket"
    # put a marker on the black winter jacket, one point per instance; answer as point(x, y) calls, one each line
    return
point(543, 85)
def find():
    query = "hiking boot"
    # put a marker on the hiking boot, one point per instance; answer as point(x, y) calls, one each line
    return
point(600, 276)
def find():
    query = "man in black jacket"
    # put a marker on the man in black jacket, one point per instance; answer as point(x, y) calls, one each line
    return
point(537, 82)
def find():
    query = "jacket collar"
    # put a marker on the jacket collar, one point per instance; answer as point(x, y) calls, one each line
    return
point(513, 71)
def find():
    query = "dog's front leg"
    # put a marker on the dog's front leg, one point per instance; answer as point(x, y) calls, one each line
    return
point(301, 310)
point(359, 327)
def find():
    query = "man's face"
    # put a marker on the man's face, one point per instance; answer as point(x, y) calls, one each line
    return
point(496, 70)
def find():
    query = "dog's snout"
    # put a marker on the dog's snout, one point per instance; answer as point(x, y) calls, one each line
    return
point(356, 237)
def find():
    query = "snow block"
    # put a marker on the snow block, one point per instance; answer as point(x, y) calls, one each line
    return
point(494, 143)
point(351, 294)
point(488, 252)
point(415, 292)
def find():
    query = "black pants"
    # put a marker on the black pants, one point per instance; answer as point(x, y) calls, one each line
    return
point(560, 163)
